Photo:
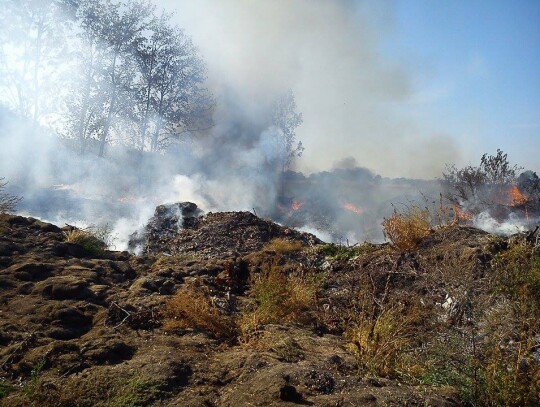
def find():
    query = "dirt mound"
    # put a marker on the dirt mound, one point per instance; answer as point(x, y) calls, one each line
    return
point(181, 229)
point(224, 234)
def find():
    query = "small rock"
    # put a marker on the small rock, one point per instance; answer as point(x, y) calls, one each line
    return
point(168, 288)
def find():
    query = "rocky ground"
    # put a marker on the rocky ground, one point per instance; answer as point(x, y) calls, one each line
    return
point(80, 327)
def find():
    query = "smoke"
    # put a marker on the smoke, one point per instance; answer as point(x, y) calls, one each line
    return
point(352, 97)
point(353, 101)
point(513, 224)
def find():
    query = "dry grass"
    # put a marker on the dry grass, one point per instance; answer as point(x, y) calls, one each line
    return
point(511, 374)
point(282, 246)
point(405, 230)
point(382, 342)
point(92, 239)
point(281, 298)
point(192, 308)
point(100, 387)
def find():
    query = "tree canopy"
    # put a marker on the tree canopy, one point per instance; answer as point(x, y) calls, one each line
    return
point(103, 71)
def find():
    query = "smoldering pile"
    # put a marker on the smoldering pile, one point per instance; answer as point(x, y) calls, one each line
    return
point(182, 228)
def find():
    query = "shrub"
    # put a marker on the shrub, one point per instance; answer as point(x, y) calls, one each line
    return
point(405, 230)
point(447, 361)
point(511, 374)
point(192, 308)
point(382, 340)
point(476, 183)
point(340, 252)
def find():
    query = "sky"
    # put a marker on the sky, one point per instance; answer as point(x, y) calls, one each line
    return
point(476, 70)
point(402, 87)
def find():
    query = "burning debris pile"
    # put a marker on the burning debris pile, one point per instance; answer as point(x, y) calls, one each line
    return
point(167, 222)
point(492, 196)
point(181, 228)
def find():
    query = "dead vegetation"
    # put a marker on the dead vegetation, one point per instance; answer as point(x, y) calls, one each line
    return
point(280, 298)
point(192, 308)
point(93, 239)
point(405, 230)
point(282, 246)
point(8, 202)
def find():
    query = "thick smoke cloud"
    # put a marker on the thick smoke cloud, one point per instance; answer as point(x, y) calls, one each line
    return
point(353, 102)
point(353, 98)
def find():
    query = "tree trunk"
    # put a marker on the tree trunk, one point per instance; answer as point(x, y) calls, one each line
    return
point(107, 127)
point(144, 125)
point(37, 61)
point(159, 126)
point(112, 106)
point(82, 120)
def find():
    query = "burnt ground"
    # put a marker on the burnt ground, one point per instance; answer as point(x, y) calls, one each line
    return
point(79, 328)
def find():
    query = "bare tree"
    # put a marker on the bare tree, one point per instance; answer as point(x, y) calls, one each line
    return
point(8, 202)
point(286, 119)
point(172, 99)
point(33, 31)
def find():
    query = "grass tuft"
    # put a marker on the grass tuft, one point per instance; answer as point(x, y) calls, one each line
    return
point(94, 239)
point(192, 308)
point(405, 230)
point(282, 246)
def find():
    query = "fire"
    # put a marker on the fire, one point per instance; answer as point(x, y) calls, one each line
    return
point(461, 216)
point(517, 198)
point(296, 205)
point(352, 208)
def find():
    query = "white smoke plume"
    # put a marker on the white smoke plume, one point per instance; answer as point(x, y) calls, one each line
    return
point(353, 101)
point(328, 52)
point(511, 225)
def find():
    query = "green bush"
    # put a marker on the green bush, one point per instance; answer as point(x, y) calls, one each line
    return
point(5, 389)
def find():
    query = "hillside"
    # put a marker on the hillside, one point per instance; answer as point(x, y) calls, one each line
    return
point(234, 310)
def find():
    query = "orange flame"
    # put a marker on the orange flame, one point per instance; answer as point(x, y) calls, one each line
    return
point(296, 205)
point(517, 198)
point(461, 216)
point(352, 208)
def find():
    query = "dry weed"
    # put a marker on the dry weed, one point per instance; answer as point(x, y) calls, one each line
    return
point(282, 246)
point(281, 298)
point(405, 230)
point(192, 308)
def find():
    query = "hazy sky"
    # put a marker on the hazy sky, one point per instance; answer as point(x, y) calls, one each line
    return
point(476, 71)
point(402, 86)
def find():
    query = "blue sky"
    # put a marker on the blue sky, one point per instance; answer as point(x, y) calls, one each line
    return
point(475, 68)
